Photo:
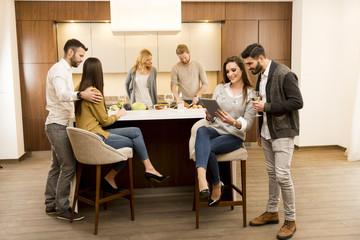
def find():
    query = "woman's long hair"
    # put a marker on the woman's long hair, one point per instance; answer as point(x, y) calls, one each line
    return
point(141, 59)
point(244, 74)
point(92, 77)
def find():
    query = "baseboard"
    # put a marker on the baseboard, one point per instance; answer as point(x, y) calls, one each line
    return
point(328, 147)
point(16, 160)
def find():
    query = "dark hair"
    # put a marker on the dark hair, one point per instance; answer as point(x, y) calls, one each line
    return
point(73, 44)
point(254, 51)
point(92, 77)
point(244, 74)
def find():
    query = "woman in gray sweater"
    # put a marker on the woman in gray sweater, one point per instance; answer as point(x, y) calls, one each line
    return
point(140, 82)
point(226, 132)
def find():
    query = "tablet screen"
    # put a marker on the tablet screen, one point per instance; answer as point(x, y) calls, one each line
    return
point(211, 106)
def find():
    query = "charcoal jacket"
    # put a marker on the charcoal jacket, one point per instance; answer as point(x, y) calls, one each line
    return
point(283, 100)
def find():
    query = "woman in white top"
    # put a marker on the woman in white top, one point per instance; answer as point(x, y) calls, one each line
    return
point(140, 83)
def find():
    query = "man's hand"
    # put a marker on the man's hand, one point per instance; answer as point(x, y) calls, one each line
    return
point(195, 100)
point(259, 142)
point(258, 105)
point(91, 96)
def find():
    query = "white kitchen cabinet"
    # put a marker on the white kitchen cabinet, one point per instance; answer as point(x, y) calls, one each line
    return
point(135, 43)
point(205, 44)
point(108, 48)
point(167, 47)
point(118, 53)
point(79, 31)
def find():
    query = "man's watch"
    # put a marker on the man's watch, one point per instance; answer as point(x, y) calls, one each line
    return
point(197, 96)
point(78, 95)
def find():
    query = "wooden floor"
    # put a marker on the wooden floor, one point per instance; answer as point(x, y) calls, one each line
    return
point(327, 202)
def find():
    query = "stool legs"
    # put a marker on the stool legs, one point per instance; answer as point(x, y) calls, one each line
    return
point(243, 188)
point(130, 165)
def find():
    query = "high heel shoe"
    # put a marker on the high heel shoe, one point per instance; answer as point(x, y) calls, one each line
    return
point(204, 195)
point(107, 187)
point(153, 177)
point(215, 202)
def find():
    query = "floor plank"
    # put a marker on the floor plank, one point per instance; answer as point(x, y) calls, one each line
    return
point(327, 202)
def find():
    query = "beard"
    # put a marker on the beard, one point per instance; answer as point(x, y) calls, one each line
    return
point(73, 62)
point(257, 69)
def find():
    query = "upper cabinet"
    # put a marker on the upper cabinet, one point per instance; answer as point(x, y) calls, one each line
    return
point(119, 53)
point(134, 44)
point(79, 31)
point(205, 44)
point(108, 48)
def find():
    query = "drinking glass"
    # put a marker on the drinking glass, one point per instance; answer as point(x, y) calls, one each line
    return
point(255, 96)
point(122, 99)
point(169, 97)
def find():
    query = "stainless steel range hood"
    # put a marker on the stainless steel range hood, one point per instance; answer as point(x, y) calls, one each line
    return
point(134, 17)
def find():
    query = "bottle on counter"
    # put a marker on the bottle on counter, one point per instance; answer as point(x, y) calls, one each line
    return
point(181, 103)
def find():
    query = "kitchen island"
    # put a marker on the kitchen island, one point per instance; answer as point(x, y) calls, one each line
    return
point(166, 135)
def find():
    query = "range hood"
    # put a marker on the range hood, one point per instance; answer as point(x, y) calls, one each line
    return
point(134, 17)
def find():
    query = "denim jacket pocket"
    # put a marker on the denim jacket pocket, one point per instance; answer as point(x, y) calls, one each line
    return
point(281, 122)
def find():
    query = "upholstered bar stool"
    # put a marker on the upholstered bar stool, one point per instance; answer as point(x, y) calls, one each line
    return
point(237, 155)
point(90, 149)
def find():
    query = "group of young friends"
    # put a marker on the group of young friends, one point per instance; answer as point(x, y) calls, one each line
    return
point(278, 123)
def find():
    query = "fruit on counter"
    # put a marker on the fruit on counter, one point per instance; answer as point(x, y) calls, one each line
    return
point(196, 107)
point(138, 106)
point(119, 105)
point(113, 108)
point(127, 106)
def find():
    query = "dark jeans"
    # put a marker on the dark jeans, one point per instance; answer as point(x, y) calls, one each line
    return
point(208, 144)
point(126, 137)
point(62, 168)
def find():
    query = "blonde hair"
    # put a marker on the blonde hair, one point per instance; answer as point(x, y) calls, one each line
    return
point(182, 48)
point(141, 59)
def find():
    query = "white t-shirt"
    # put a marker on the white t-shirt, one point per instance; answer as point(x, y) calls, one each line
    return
point(141, 89)
point(265, 133)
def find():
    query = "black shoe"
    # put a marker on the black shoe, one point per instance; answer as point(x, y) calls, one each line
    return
point(65, 215)
point(50, 210)
point(106, 186)
point(215, 202)
point(204, 195)
point(153, 177)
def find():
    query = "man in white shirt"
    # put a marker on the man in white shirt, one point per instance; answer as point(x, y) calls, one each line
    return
point(187, 75)
point(278, 124)
point(60, 97)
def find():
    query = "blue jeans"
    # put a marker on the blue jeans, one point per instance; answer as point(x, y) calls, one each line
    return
point(208, 143)
point(126, 137)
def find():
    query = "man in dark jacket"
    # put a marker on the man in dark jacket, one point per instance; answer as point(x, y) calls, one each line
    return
point(278, 125)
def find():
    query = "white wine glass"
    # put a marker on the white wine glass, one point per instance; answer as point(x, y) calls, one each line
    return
point(122, 99)
point(169, 97)
point(255, 96)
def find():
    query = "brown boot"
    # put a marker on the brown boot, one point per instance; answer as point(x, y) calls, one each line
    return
point(287, 230)
point(265, 218)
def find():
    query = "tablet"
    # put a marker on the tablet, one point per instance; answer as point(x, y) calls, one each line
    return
point(211, 106)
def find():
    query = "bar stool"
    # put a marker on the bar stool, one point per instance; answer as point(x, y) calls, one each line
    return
point(90, 149)
point(237, 155)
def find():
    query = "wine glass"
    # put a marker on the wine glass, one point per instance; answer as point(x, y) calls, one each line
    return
point(255, 96)
point(122, 100)
point(168, 97)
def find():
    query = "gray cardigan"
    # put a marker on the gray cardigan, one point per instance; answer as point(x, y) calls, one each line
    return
point(151, 84)
point(283, 99)
point(235, 108)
